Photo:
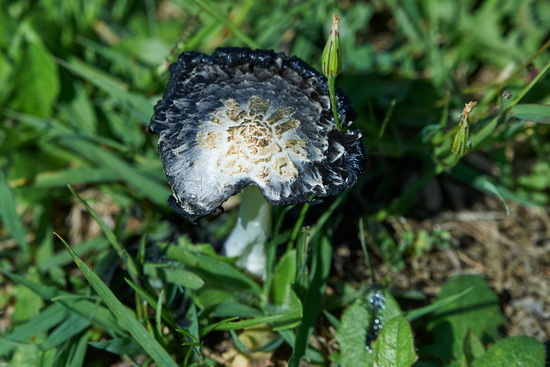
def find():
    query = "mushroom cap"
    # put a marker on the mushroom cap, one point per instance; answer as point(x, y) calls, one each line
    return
point(252, 117)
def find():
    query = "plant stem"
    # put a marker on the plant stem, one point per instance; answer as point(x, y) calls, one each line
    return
point(253, 228)
point(333, 102)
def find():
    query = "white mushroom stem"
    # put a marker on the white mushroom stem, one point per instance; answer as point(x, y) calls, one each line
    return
point(249, 237)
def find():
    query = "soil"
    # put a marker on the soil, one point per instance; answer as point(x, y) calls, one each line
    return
point(512, 252)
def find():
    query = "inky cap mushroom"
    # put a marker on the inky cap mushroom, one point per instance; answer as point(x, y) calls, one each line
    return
point(252, 117)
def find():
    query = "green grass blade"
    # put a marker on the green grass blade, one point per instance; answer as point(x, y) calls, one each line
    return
point(121, 251)
point(48, 318)
point(125, 317)
point(79, 352)
point(75, 304)
point(138, 105)
point(312, 302)
point(238, 325)
point(151, 301)
point(214, 13)
point(71, 326)
point(419, 312)
point(62, 258)
point(150, 188)
point(532, 112)
point(10, 218)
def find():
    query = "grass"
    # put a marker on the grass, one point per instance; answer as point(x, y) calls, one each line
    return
point(136, 283)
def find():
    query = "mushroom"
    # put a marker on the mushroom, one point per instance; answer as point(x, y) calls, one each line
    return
point(243, 117)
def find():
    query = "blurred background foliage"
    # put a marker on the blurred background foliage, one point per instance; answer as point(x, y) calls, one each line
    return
point(79, 80)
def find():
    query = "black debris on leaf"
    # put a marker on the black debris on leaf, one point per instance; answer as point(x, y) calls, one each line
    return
point(252, 117)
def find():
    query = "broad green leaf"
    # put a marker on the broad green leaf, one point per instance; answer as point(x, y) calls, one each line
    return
point(390, 307)
point(174, 275)
point(291, 312)
point(352, 336)
point(532, 112)
point(285, 299)
point(125, 317)
point(223, 281)
point(394, 346)
point(473, 347)
point(27, 303)
point(515, 351)
point(26, 355)
point(36, 81)
point(285, 273)
point(477, 310)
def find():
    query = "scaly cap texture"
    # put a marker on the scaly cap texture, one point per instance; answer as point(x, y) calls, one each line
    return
point(252, 117)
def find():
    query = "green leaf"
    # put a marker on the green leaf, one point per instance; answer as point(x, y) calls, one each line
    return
point(152, 301)
point(79, 112)
point(394, 346)
point(119, 346)
point(483, 183)
point(36, 81)
point(126, 171)
point(10, 217)
point(473, 347)
point(80, 305)
point(285, 299)
point(138, 105)
point(390, 308)
point(419, 312)
point(45, 320)
point(352, 336)
point(532, 112)
point(125, 317)
point(71, 326)
point(285, 273)
point(515, 351)
point(27, 303)
point(26, 355)
point(111, 237)
point(173, 275)
point(223, 281)
point(77, 354)
point(320, 268)
point(477, 310)
point(231, 324)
